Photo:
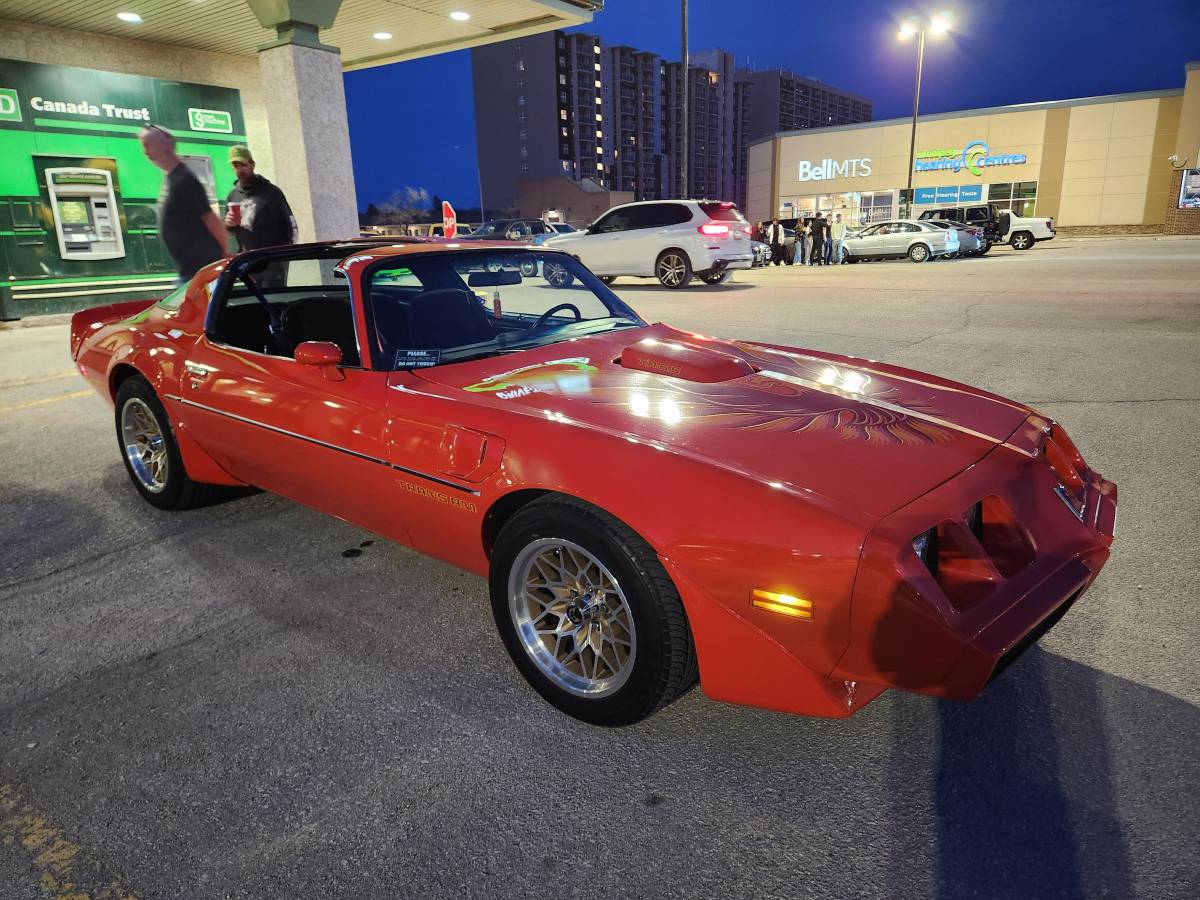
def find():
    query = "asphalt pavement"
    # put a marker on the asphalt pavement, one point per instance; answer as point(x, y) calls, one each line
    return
point(256, 700)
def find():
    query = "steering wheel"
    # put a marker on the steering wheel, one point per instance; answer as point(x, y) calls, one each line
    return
point(545, 317)
point(276, 323)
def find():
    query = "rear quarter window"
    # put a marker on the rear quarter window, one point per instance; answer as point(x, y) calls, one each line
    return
point(722, 212)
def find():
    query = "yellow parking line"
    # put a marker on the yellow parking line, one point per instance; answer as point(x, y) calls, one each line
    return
point(32, 403)
point(59, 864)
point(25, 382)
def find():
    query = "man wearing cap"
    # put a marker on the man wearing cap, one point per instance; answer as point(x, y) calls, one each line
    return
point(259, 214)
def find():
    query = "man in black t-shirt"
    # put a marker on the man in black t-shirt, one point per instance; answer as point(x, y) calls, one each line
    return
point(816, 256)
point(189, 229)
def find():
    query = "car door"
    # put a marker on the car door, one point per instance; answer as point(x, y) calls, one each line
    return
point(874, 240)
point(865, 243)
point(660, 226)
point(901, 235)
point(599, 248)
point(315, 434)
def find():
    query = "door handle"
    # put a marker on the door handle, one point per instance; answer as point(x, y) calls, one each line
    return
point(196, 373)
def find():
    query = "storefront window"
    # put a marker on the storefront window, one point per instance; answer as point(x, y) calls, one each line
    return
point(1019, 199)
point(856, 209)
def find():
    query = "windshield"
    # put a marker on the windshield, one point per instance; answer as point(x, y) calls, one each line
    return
point(451, 306)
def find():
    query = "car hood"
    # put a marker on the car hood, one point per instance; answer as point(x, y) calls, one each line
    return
point(854, 431)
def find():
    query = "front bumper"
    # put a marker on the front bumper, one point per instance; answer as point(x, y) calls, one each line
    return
point(911, 630)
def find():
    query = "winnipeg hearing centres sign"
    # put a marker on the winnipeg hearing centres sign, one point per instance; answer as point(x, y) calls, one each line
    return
point(974, 157)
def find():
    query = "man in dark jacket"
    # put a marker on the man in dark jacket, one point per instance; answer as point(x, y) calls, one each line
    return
point(820, 228)
point(259, 215)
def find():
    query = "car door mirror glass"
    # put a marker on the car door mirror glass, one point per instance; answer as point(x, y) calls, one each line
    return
point(318, 353)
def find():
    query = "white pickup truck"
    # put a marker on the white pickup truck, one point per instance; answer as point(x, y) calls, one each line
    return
point(999, 227)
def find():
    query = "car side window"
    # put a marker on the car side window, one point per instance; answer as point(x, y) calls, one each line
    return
point(906, 228)
point(873, 230)
point(538, 227)
point(674, 214)
point(275, 304)
point(617, 220)
point(977, 214)
point(639, 217)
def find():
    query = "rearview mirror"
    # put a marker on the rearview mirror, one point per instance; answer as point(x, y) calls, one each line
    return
point(494, 279)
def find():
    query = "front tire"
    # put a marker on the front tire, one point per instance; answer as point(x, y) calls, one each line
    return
point(918, 253)
point(588, 614)
point(608, 279)
point(148, 448)
point(673, 269)
point(1022, 240)
point(987, 245)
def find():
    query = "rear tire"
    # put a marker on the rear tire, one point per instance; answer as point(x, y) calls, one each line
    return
point(918, 253)
point(566, 576)
point(715, 277)
point(1022, 240)
point(987, 245)
point(608, 279)
point(673, 269)
point(146, 439)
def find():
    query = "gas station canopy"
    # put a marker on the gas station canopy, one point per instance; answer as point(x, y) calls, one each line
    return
point(416, 27)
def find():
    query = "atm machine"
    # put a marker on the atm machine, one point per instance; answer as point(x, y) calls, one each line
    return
point(85, 214)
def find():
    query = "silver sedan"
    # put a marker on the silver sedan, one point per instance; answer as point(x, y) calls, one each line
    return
point(919, 241)
point(970, 238)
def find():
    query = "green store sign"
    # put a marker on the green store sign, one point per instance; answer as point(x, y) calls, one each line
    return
point(216, 120)
point(10, 105)
point(72, 157)
point(974, 158)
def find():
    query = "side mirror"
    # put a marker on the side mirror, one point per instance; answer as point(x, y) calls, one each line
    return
point(325, 354)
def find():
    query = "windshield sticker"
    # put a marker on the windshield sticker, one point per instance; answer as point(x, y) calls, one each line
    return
point(417, 359)
point(527, 376)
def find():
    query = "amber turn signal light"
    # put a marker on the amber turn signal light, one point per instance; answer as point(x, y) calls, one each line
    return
point(784, 604)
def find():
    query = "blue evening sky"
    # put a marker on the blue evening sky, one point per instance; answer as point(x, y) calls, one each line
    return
point(412, 124)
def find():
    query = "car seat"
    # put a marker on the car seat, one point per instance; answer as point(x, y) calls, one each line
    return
point(448, 317)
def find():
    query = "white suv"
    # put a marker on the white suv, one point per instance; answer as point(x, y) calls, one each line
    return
point(671, 240)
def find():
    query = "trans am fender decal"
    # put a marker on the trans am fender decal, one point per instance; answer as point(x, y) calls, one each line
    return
point(328, 446)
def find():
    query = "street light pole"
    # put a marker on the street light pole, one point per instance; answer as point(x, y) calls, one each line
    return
point(683, 108)
point(912, 144)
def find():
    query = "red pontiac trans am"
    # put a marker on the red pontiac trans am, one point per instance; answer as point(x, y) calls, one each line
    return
point(798, 530)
